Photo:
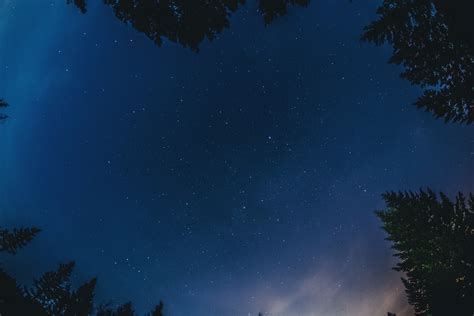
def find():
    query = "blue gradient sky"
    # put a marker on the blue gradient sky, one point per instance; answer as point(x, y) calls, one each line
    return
point(236, 180)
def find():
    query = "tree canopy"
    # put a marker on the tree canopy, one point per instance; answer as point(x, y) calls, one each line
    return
point(187, 22)
point(434, 42)
point(433, 237)
point(51, 294)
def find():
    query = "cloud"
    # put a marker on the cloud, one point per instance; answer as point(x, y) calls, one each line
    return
point(353, 283)
point(327, 293)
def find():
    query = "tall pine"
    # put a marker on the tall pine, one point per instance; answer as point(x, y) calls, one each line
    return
point(434, 239)
point(434, 42)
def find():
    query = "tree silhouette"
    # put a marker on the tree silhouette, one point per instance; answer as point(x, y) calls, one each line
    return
point(13, 299)
point(433, 237)
point(3, 104)
point(52, 294)
point(434, 42)
point(272, 9)
point(187, 22)
point(158, 311)
point(123, 310)
point(82, 300)
point(11, 241)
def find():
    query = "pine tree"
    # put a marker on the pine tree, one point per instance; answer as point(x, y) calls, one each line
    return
point(186, 22)
point(434, 42)
point(127, 310)
point(53, 291)
point(51, 294)
point(82, 301)
point(158, 310)
point(122, 310)
point(272, 9)
point(12, 240)
point(13, 300)
point(433, 238)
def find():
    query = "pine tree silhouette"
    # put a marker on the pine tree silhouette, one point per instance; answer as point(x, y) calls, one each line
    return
point(11, 241)
point(158, 311)
point(187, 22)
point(82, 301)
point(433, 238)
point(272, 9)
point(13, 301)
point(434, 42)
point(51, 294)
point(125, 310)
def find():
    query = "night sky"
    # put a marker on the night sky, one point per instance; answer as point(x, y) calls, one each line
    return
point(237, 180)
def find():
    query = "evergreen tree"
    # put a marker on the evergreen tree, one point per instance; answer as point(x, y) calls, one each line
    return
point(52, 294)
point(53, 291)
point(433, 237)
point(158, 311)
point(434, 42)
point(82, 301)
point(13, 301)
point(186, 22)
point(11, 241)
point(272, 9)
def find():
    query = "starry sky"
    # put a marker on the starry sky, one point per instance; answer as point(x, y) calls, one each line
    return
point(237, 180)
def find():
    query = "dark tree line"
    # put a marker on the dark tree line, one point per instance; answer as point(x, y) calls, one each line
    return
point(51, 294)
point(433, 237)
point(434, 41)
point(187, 22)
point(434, 240)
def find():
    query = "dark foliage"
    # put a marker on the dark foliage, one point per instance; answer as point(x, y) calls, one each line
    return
point(52, 294)
point(53, 291)
point(187, 22)
point(82, 301)
point(123, 310)
point(3, 104)
point(433, 238)
point(81, 4)
point(434, 41)
point(158, 311)
point(13, 301)
point(272, 9)
point(11, 241)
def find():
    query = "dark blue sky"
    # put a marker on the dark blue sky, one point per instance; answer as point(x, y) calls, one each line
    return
point(239, 179)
